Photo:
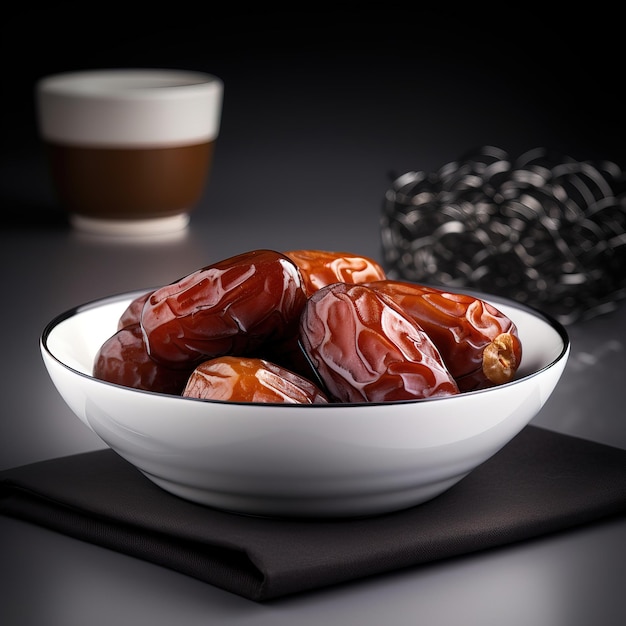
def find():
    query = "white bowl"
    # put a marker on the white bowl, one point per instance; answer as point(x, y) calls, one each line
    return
point(300, 460)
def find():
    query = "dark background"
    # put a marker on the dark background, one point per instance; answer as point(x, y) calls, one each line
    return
point(321, 107)
point(342, 98)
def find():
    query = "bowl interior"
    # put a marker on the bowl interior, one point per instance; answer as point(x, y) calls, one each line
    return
point(74, 337)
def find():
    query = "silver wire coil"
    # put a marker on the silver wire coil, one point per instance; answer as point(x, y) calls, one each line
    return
point(543, 229)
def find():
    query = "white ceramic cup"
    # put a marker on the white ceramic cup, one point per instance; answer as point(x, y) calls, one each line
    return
point(130, 150)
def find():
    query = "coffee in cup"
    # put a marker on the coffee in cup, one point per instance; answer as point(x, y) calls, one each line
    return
point(129, 150)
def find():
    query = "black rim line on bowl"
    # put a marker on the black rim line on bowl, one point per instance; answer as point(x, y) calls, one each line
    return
point(92, 304)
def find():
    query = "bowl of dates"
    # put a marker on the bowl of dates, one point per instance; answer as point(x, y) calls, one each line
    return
point(304, 383)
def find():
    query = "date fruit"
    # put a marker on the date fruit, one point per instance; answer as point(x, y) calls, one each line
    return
point(123, 359)
point(322, 267)
point(230, 307)
point(367, 349)
point(132, 313)
point(479, 344)
point(241, 379)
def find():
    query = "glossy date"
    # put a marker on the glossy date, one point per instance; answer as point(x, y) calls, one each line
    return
point(322, 267)
point(366, 349)
point(231, 307)
point(240, 379)
point(479, 344)
point(132, 314)
point(124, 360)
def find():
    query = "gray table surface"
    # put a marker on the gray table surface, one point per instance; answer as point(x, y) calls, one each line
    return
point(572, 578)
point(303, 161)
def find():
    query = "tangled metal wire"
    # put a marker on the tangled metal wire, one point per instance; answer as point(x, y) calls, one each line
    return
point(543, 229)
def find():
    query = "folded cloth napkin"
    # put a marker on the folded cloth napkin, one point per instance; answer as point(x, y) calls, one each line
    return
point(541, 482)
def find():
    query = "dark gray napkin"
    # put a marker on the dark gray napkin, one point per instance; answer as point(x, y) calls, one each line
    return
point(541, 482)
